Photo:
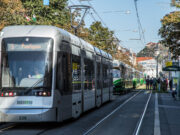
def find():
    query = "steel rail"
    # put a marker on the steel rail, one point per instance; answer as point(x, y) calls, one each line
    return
point(138, 127)
point(102, 120)
point(6, 126)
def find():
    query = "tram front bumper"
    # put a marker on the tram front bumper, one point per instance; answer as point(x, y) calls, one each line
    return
point(28, 115)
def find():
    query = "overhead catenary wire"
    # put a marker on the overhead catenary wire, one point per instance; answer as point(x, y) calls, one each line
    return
point(101, 20)
point(141, 32)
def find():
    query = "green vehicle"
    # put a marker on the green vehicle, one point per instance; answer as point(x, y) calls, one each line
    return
point(118, 85)
point(118, 82)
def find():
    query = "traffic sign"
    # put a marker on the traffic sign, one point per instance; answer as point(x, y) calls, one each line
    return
point(46, 2)
point(168, 63)
point(172, 66)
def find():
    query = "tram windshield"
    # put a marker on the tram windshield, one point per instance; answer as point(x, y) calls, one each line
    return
point(116, 73)
point(26, 62)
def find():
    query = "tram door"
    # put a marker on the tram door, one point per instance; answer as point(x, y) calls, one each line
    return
point(98, 82)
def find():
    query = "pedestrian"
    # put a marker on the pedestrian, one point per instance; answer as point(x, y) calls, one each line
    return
point(151, 83)
point(147, 83)
point(170, 84)
point(159, 83)
point(174, 93)
point(166, 83)
point(154, 83)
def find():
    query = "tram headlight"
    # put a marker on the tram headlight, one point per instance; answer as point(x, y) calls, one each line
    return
point(6, 94)
point(40, 94)
point(44, 93)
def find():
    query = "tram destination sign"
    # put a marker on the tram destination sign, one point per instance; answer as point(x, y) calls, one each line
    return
point(26, 47)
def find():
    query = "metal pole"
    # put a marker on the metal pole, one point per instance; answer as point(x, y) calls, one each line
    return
point(157, 68)
point(178, 86)
point(169, 60)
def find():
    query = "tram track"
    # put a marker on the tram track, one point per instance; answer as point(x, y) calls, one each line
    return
point(139, 124)
point(110, 114)
point(46, 128)
point(6, 126)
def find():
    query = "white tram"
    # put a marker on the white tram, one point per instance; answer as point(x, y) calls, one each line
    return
point(48, 74)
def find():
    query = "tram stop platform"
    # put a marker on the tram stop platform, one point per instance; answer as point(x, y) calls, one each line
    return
point(169, 114)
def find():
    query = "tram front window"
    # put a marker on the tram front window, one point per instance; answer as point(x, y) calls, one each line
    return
point(116, 73)
point(26, 63)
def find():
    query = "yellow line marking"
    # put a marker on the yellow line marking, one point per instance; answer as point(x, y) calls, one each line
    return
point(1, 130)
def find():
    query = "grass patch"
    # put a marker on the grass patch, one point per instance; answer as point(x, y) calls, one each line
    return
point(141, 87)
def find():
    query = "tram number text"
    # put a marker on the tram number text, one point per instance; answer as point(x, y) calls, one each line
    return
point(22, 118)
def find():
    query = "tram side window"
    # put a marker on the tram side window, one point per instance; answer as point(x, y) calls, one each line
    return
point(111, 75)
point(76, 73)
point(105, 76)
point(63, 76)
point(89, 83)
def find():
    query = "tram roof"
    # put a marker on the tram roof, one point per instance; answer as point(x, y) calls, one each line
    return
point(116, 63)
point(97, 50)
point(104, 54)
point(30, 30)
point(110, 57)
point(50, 31)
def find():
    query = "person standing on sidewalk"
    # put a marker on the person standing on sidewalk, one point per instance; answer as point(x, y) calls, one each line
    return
point(147, 83)
point(151, 83)
point(159, 83)
point(170, 84)
point(154, 83)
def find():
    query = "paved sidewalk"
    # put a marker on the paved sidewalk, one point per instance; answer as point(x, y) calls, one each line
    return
point(169, 113)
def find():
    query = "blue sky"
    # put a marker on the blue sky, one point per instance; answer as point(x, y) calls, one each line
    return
point(125, 25)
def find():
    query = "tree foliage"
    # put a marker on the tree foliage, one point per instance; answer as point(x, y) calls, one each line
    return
point(146, 52)
point(33, 12)
point(55, 14)
point(102, 37)
point(11, 13)
point(170, 32)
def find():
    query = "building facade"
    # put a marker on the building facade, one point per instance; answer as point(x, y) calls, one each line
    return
point(150, 66)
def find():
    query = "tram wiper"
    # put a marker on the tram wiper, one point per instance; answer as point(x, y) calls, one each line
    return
point(34, 85)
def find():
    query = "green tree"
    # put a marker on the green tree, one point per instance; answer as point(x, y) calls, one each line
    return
point(12, 13)
point(33, 12)
point(102, 37)
point(55, 14)
point(170, 32)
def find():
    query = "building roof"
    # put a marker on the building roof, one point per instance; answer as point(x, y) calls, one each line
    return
point(138, 59)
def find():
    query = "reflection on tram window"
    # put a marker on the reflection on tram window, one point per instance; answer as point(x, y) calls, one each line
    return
point(105, 76)
point(76, 73)
point(89, 83)
point(18, 68)
point(63, 76)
